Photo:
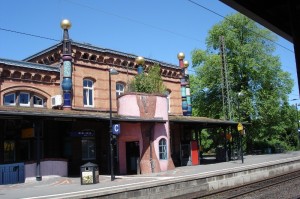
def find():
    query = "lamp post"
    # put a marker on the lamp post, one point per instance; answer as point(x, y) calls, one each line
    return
point(112, 71)
point(240, 94)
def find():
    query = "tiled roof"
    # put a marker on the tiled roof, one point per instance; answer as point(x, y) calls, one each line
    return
point(102, 50)
point(31, 65)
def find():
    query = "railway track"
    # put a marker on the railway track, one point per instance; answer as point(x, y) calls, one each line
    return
point(244, 190)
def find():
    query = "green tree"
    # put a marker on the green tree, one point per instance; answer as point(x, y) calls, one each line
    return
point(150, 82)
point(254, 70)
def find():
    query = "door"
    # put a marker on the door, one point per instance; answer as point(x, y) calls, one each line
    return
point(132, 157)
point(194, 152)
point(185, 155)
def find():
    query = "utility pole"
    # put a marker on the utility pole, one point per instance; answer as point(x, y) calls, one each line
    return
point(225, 89)
point(225, 84)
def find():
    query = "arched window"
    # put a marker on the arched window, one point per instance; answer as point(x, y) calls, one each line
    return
point(24, 99)
point(163, 149)
point(88, 93)
point(120, 87)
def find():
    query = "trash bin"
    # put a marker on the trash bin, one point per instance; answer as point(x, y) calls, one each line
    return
point(12, 173)
point(89, 173)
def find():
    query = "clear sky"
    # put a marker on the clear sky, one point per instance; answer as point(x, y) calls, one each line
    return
point(156, 29)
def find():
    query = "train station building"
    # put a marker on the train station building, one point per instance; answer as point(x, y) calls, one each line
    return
point(59, 105)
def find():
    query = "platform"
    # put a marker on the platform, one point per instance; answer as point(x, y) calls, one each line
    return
point(159, 185)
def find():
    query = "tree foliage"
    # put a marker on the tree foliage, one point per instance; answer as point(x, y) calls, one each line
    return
point(150, 82)
point(254, 70)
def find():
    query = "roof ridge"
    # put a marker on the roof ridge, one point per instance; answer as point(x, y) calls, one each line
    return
point(105, 50)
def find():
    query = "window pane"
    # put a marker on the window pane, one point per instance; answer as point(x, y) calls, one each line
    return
point(24, 98)
point(84, 83)
point(162, 149)
point(119, 89)
point(9, 99)
point(84, 96)
point(9, 151)
point(90, 83)
point(90, 97)
point(37, 101)
point(88, 149)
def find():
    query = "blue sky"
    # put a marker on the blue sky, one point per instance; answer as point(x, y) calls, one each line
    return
point(156, 29)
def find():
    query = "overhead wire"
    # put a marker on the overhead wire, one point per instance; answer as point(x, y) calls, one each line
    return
point(134, 21)
point(28, 34)
point(145, 24)
point(195, 3)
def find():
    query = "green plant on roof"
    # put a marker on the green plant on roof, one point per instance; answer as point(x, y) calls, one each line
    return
point(150, 82)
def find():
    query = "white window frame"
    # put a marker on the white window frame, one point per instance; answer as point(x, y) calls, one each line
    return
point(118, 90)
point(38, 105)
point(86, 90)
point(163, 149)
point(28, 98)
point(8, 103)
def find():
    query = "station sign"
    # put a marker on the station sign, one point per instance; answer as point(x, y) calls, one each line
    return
point(116, 129)
point(82, 133)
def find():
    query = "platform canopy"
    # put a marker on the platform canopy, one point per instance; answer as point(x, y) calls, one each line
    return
point(204, 122)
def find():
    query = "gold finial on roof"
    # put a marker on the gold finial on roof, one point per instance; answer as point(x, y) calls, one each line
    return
point(65, 24)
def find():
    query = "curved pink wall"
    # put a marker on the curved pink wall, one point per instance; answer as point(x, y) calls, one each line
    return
point(161, 108)
point(127, 105)
point(161, 129)
point(159, 133)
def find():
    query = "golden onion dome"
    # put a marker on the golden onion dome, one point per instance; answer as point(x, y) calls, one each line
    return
point(186, 63)
point(140, 60)
point(65, 24)
point(180, 55)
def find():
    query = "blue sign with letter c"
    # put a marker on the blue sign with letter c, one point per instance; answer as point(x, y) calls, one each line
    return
point(116, 129)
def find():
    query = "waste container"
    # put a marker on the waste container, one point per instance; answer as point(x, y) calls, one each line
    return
point(89, 173)
point(12, 173)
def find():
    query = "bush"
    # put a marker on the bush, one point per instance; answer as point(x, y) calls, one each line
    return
point(148, 83)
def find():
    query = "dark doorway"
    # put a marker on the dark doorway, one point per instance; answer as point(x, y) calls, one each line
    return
point(132, 157)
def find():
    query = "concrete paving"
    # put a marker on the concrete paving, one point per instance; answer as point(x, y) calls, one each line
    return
point(64, 187)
